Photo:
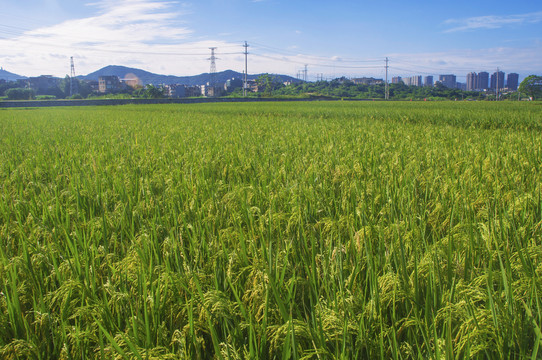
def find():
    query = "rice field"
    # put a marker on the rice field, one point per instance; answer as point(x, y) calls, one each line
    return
point(353, 230)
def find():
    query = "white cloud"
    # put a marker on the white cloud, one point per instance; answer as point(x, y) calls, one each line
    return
point(492, 21)
point(148, 34)
point(460, 62)
point(121, 32)
point(151, 35)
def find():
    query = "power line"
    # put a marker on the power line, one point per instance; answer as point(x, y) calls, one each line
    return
point(436, 69)
point(315, 64)
point(295, 53)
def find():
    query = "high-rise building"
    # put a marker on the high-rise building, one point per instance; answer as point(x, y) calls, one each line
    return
point(428, 81)
point(472, 81)
point(413, 81)
point(448, 80)
point(512, 81)
point(483, 80)
point(416, 80)
point(499, 77)
point(396, 80)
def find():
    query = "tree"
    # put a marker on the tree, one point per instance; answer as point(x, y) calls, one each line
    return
point(152, 92)
point(266, 84)
point(20, 94)
point(531, 86)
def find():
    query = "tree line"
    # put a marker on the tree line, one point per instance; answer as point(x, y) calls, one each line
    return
point(270, 86)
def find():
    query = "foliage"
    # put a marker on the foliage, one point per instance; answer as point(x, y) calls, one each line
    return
point(344, 88)
point(45, 97)
point(272, 230)
point(5, 85)
point(150, 92)
point(267, 83)
point(531, 86)
point(20, 94)
point(79, 87)
point(98, 96)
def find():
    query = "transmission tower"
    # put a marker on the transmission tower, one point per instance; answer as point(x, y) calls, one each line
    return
point(305, 73)
point(212, 72)
point(72, 75)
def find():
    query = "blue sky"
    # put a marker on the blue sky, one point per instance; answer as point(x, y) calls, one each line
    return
point(334, 38)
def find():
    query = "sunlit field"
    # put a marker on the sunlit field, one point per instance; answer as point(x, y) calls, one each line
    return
point(318, 230)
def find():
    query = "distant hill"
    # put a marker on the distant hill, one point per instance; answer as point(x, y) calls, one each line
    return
point(146, 77)
point(6, 75)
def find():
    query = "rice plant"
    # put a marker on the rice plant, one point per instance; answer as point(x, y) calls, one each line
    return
point(272, 231)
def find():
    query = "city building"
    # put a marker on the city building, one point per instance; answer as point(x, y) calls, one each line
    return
point(132, 81)
point(461, 86)
point(43, 82)
point(482, 80)
point(428, 81)
point(512, 81)
point(175, 90)
point(94, 85)
point(472, 81)
point(367, 81)
point(107, 84)
point(208, 90)
point(448, 80)
point(413, 81)
point(497, 79)
point(396, 80)
point(192, 91)
point(232, 84)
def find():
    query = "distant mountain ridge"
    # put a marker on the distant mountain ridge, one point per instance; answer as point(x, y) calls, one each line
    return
point(147, 77)
point(6, 75)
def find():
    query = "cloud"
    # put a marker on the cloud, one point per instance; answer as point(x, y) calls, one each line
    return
point(148, 34)
point(152, 35)
point(492, 22)
point(119, 22)
point(128, 31)
point(460, 62)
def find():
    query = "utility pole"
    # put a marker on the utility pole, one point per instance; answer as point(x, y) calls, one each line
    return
point(72, 75)
point(246, 69)
point(387, 89)
point(497, 86)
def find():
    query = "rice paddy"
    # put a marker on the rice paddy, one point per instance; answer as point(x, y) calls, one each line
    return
point(353, 230)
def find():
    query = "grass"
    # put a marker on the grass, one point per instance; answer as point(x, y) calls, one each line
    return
point(271, 230)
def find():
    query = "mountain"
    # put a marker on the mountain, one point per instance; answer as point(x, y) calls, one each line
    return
point(146, 77)
point(6, 75)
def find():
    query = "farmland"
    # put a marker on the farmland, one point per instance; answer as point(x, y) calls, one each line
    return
point(272, 230)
